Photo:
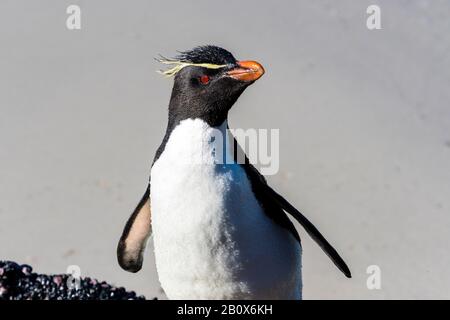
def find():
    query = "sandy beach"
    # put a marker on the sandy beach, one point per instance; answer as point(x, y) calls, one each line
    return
point(364, 120)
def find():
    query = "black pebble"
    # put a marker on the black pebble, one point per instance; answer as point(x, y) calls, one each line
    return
point(18, 282)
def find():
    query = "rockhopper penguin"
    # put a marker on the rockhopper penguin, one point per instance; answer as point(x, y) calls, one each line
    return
point(219, 230)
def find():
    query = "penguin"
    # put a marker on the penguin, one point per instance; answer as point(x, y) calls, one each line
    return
point(219, 230)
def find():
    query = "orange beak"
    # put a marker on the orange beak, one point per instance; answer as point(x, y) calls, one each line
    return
point(247, 71)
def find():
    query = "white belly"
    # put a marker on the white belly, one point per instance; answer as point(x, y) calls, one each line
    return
point(211, 238)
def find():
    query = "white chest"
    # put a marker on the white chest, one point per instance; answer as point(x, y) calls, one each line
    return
point(212, 239)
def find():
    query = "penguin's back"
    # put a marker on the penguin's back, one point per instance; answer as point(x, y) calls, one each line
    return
point(212, 238)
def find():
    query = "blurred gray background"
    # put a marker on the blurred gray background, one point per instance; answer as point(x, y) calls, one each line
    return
point(364, 119)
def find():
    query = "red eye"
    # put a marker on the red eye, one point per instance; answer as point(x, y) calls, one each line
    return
point(204, 79)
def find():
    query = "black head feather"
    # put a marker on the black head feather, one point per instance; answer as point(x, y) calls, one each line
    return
point(193, 99)
point(207, 54)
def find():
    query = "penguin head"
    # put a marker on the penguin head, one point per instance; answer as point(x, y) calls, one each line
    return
point(208, 81)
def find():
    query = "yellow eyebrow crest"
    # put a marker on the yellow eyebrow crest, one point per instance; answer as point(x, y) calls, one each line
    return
point(178, 65)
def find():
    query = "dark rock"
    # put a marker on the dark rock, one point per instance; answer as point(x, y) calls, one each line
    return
point(18, 282)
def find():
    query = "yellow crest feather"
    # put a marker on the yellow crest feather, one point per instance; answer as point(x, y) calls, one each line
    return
point(178, 65)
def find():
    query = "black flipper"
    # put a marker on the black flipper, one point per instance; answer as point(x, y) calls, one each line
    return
point(130, 251)
point(312, 231)
point(275, 207)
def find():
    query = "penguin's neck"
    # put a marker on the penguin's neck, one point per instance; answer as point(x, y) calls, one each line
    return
point(194, 141)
